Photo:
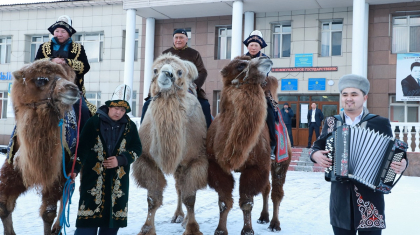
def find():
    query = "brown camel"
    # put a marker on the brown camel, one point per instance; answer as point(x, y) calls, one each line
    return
point(42, 92)
point(238, 138)
point(173, 136)
point(278, 174)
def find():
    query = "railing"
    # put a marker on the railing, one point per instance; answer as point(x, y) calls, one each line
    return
point(409, 132)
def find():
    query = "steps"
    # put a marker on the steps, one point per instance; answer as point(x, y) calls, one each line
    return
point(301, 162)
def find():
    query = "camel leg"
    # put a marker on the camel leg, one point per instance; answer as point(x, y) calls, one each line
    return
point(265, 216)
point(48, 210)
point(56, 227)
point(190, 178)
point(11, 186)
point(179, 214)
point(254, 179)
point(150, 177)
point(223, 183)
point(278, 177)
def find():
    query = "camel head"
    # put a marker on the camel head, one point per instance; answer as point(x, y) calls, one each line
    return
point(244, 70)
point(45, 82)
point(170, 76)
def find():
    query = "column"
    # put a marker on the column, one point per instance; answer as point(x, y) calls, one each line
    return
point(130, 32)
point(148, 55)
point(237, 13)
point(359, 37)
point(248, 25)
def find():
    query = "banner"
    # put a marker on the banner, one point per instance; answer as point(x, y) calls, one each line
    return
point(408, 77)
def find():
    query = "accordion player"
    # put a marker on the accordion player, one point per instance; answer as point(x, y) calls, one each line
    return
point(364, 156)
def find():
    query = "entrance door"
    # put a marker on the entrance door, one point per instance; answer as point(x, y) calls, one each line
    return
point(301, 104)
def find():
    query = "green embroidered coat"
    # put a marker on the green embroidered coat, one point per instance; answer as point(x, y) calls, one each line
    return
point(104, 192)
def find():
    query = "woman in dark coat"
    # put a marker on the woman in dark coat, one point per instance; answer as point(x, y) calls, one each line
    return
point(62, 50)
point(109, 143)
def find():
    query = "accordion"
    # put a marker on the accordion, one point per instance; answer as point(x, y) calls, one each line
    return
point(364, 156)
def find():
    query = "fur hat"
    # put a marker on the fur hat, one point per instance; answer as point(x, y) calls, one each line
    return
point(64, 22)
point(354, 81)
point(120, 98)
point(255, 36)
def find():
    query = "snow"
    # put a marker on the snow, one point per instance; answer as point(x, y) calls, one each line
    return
point(304, 209)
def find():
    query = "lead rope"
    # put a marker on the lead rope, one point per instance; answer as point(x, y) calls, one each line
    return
point(69, 186)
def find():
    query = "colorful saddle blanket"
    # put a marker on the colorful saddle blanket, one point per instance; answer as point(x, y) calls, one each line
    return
point(70, 124)
point(282, 140)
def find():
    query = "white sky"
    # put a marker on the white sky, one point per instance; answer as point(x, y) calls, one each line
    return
point(23, 1)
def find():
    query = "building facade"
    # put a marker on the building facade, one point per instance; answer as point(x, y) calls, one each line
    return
point(101, 28)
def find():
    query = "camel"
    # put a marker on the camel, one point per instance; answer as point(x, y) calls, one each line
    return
point(278, 174)
point(173, 135)
point(238, 139)
point(42, 93)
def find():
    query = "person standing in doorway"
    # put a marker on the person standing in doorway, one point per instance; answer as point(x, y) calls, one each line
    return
point(287, 114)
point(315, 118)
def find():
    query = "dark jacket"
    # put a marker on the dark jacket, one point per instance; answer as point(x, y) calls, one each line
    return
point(318, 117)
point(353, 205)
point(410, 86)
point(187, 53)
point(76, 59)
point(104, 192)
point(287, 117)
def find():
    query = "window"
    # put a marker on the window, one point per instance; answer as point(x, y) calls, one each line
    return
point(5, 49)
point(403, 111)
point(36, 41)
point(94, 97)
point(406, 34)
point(134, 104)
point(93, 44)
point(136, 45)
point(3, 104)
point(224, 35)
point(282, 40)
point(331, 38)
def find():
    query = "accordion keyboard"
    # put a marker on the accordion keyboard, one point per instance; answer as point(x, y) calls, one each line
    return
point(390, 175)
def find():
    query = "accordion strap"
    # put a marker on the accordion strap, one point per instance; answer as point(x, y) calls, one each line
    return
point(362, 123)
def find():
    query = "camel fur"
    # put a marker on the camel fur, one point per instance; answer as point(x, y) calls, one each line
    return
point(173, 135)
point(42, 92)
point(278, 174)
point(238, 138)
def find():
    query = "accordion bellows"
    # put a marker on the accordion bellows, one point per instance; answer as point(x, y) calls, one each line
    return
point(364, 156)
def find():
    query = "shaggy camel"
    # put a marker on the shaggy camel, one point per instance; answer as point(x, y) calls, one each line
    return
point(173, 135)
point(278, 174)
point(42, 92)
point(238, 138)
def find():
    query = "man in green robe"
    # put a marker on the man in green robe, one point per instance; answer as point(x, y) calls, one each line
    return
point(109, 143)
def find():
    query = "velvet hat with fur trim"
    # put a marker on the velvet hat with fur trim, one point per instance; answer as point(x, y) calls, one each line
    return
point(64, 22)
point(120, 98)
point(255, 36)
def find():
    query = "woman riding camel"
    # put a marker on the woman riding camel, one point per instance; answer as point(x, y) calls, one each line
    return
point(255, 42)
point(62, 50)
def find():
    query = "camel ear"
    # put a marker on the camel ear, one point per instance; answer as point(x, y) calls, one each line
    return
point(19, 74)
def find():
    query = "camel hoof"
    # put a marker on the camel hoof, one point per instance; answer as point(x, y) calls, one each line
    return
point(177, 219)
point(147, 230)
point(264, 219)
point(220, 232)
point(274, 226)
point(247, 231)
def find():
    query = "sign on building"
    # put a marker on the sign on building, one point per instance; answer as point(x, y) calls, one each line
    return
point(303, 60)
point(290, 84)
point(408, 77)
point(316, 84)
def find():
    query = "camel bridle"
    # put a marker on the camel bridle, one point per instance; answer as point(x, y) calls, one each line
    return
point(49, 100)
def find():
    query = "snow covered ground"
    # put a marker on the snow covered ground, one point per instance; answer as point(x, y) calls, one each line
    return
point(304, 209)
